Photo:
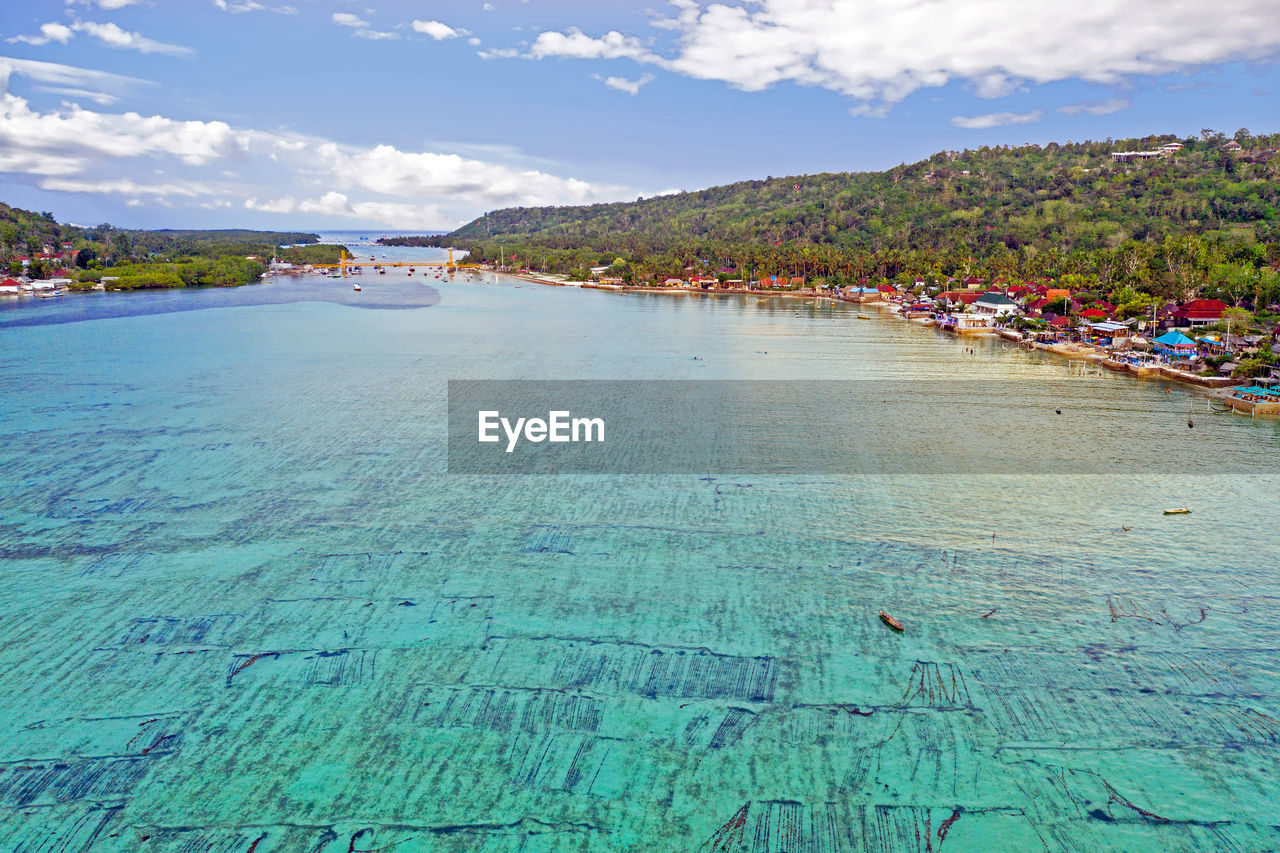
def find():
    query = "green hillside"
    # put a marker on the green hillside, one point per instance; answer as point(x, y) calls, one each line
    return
point(1069, 208)
point(134, 259)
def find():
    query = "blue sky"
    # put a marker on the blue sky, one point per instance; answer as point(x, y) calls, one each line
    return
point(312, 114)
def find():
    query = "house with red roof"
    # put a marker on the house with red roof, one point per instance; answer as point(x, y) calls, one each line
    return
point(1094, 314)
point(1199, 312)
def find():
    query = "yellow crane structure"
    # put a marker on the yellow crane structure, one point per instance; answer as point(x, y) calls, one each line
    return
point(348, 261)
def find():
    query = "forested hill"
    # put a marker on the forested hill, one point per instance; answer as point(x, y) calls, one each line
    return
point(1070, 196)
point(37, 245)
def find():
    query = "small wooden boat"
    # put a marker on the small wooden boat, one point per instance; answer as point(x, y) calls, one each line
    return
point(891, 622)
point(863, 317)
point(1178, 511)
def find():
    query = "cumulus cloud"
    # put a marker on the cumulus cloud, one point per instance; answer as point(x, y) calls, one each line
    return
point(52, 31)
point(435, 29)
point(622, 84)
point(576, 44)
point(424, 217)
point(878, 53)
point(361, 27)
point(113, 36)
point(205, 163)
point(108, 33)
point(997, 119)
point(1097, 108)
point(346, 19)
point(387, 170)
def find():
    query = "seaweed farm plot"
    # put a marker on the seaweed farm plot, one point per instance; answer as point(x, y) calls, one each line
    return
point(244, 607)
point(575, 663)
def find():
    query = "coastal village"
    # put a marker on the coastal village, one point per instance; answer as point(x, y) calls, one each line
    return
point(1190, 342)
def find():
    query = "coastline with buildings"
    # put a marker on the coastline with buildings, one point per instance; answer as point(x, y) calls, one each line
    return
point(1166, 347)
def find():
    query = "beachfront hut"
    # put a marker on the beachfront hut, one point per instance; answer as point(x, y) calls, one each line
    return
point(1115, 333)
point(1174, 345)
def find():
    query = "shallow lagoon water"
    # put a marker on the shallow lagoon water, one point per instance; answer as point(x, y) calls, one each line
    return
point(244, 606)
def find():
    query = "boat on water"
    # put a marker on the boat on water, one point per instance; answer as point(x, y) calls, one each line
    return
point(382, 272)
point(355, 287)
point(48, 294)
point(863, 317)
point(1178, 511)
point(891, 622)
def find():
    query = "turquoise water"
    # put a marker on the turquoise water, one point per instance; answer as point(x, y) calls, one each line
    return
point(243, 606)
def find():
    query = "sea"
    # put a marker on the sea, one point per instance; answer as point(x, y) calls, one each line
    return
point(246, 607)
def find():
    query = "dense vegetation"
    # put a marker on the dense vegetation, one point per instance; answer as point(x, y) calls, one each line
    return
point(136, 259)
point(1202, 221)
point(413, 240)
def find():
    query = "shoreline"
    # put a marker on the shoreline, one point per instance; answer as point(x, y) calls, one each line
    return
point(1072, 352)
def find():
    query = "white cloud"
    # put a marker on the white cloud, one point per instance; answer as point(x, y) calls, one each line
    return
point(1097, 108)
point(389, 171)
point(100, 86)
point(113, 36)
point(123, 186)
point(252, 6)
point(361, 26)
point(109, 34)
point(878, 52)
point(83, 134)
point(424, 217)
point(98, 98)
point(576, 44)
point(997, 119)
point(346, 19)
point(622, 84)
point(435, 29)
point(204, 162)
point(109, 5)
point(52, 31)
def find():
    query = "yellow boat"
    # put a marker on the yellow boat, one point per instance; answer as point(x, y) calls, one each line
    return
point(863, 317)
point(1179, 511)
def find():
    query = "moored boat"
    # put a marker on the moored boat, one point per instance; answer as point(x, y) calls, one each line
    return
point(891, 622)
point(1179, 511)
